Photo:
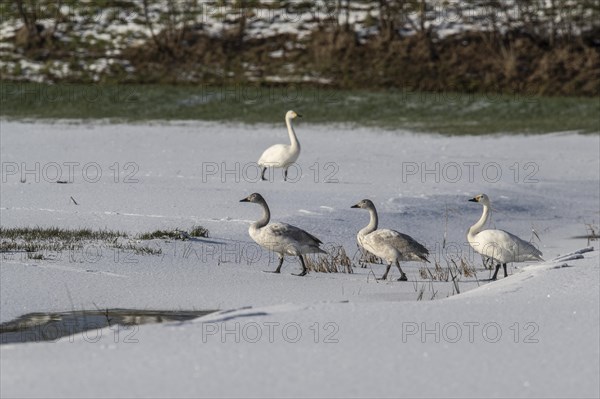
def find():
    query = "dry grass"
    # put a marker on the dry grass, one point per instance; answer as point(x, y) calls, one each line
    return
point(335, 261)
point(421, 292)
point(363, 258)
point(454, 270)
point(439, 273)
point(592, 232)
point(466, 269)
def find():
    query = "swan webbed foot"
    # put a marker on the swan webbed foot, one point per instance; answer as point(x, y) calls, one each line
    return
point(272, 271)
point(402, 274)
point(304, 268)
point(381, 278)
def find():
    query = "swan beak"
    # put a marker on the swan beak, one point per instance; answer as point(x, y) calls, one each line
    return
point(355, 206)
point(245, 200)
point(473, 200)
point(299, 116)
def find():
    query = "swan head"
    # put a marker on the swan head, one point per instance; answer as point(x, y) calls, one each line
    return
point(482, 199)
point(364, 204)
point(254, 198)
point(292, 115)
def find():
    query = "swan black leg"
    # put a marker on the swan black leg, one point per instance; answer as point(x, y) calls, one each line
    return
point(278, 270)
point(285, 175)
point(387, 270)
point(304, 269)
point(262, 175)
point(504, 267)
point(496, 272)
point(402, 274)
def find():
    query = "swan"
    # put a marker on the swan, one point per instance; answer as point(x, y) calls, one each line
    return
point(281, 238)
point(499, 245)
point(282, 155)
point(389, 245)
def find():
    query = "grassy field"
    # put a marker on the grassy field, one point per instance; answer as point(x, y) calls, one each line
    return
point(448, 113)
point(37, 242)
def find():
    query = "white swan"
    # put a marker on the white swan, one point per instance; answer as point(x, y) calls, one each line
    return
point(281, 238)
point(389, 245)
point(499, 245)
point(282, 155)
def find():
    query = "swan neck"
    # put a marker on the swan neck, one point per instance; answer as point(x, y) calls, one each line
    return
point(292, 133)
point(264, 220)
point(372, 226)
point(477, 227)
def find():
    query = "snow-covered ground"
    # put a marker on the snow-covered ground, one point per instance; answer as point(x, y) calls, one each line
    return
point(532, 334)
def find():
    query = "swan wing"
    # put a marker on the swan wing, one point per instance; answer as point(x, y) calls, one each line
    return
point(293, 232)
point(277, 155)
point(385, 240)
point(285, 238)
point(506, 247)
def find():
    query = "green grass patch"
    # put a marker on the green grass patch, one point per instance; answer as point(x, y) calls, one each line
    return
point(197, 231)
point(38, 241)
point(55, 233)
point(161, 234)
point(448, 113)
point(33, 240)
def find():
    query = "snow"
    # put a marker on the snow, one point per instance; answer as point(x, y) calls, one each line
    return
point(359, 337)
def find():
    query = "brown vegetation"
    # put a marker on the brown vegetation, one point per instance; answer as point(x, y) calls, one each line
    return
point(538, 47)
point(469, 61)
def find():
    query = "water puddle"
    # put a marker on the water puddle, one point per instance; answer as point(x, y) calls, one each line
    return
point(38, 327)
